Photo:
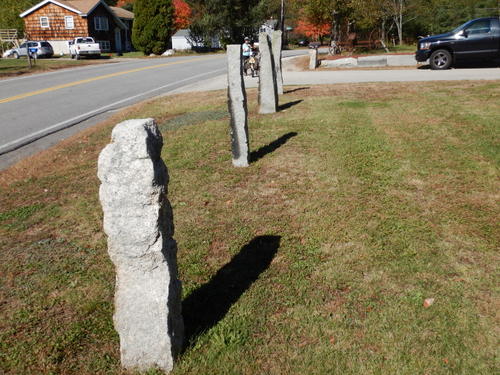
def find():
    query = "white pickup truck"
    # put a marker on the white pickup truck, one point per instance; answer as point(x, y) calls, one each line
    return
point(84, 46)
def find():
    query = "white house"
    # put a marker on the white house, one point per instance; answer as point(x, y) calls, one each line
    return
point(181, 41)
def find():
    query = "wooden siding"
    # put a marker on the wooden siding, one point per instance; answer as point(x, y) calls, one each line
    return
point(108, 35)
point(57, 29)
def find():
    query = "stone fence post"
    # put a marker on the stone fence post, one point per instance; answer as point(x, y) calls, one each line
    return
point(268, 92)
point(139, 224)
point(277, 41)
point(237, 105)
point(313, 58)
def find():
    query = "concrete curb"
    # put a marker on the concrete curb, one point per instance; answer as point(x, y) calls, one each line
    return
point(371, 61)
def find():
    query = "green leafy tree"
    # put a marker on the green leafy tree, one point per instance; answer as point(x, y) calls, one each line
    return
point(229, 20)
point(10, 10)
point(153, 25)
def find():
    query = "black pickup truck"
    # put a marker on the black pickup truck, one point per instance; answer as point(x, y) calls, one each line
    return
point(475, 40)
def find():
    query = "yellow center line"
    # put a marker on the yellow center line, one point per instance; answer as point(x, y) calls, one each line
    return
point(71, 84)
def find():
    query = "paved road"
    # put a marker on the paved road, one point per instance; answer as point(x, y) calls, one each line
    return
point(33, 106)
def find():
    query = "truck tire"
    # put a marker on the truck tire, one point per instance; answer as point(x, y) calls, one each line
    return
point(440, 59)
point(77, 56)
point(15, 55)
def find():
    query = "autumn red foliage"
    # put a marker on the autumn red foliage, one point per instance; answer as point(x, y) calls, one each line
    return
point(311, 30)
point(121, 3)
point(182, 12)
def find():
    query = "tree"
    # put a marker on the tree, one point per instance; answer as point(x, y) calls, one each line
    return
point(229, 20)
point(153, 25)
point(314, 31)
point(10, 10)
point(182, 14)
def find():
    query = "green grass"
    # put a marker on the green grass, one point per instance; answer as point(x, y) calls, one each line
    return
point(383, 195)
point(15, 67)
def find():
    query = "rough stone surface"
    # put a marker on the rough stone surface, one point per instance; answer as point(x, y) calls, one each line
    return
point(168, 52)
point(268, 91)
point(372, 61)
point(139, 224)
point(237, 104)
point(349, 62)
point(313, 58)
point(277, 40)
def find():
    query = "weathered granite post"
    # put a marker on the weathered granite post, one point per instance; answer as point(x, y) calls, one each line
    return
point(237, 104)
point(139, 224)
point(268, 92)
point(313, 58)
point(277, 41)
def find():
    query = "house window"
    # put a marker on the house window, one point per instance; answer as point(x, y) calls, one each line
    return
point(44, 22)
point(69, 23)
point(101, 23)
point(104, 45)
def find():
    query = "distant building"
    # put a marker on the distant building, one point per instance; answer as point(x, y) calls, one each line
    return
point(181, 41)
point(59, 21)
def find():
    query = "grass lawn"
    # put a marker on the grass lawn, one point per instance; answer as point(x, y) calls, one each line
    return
point(16, 67)
point(361, 202)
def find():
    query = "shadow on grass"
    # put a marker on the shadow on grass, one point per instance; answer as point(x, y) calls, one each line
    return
point(267, 149)
point(297, 89)
point(208, 304)
point(289, 105)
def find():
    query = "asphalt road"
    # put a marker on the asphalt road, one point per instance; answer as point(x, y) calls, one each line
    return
point(33, 106)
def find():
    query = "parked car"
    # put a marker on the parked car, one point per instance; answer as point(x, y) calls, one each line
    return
point(303, 42)
point(43, 49)
point(478, 39)
point(84, 46)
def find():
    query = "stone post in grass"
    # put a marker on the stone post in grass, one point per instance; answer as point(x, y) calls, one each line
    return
point(268, 93)
point(237, 104)
point(313, 58)
point(138, 222)
point(277, 40)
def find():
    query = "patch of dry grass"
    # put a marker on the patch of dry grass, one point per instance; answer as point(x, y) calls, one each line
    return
point(381, 195)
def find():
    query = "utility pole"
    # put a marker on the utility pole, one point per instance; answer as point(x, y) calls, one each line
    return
point(282, 17)
point(28, 53)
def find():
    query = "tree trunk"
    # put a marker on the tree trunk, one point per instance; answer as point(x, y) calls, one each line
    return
point(399, 21)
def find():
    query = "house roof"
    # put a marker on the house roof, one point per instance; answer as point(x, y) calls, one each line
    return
point(182, 32)
point(84, 6)
point(80, 7)
point(122, 13)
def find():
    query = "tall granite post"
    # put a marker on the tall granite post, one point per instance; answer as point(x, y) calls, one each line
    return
point(268, 91)
point(277, 41)
point(313, 58)
point(138, 221)
point(237, 104)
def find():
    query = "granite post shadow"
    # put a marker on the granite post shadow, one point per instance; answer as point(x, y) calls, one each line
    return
point(209, 304)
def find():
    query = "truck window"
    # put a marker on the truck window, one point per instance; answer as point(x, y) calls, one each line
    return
point(479, 27)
